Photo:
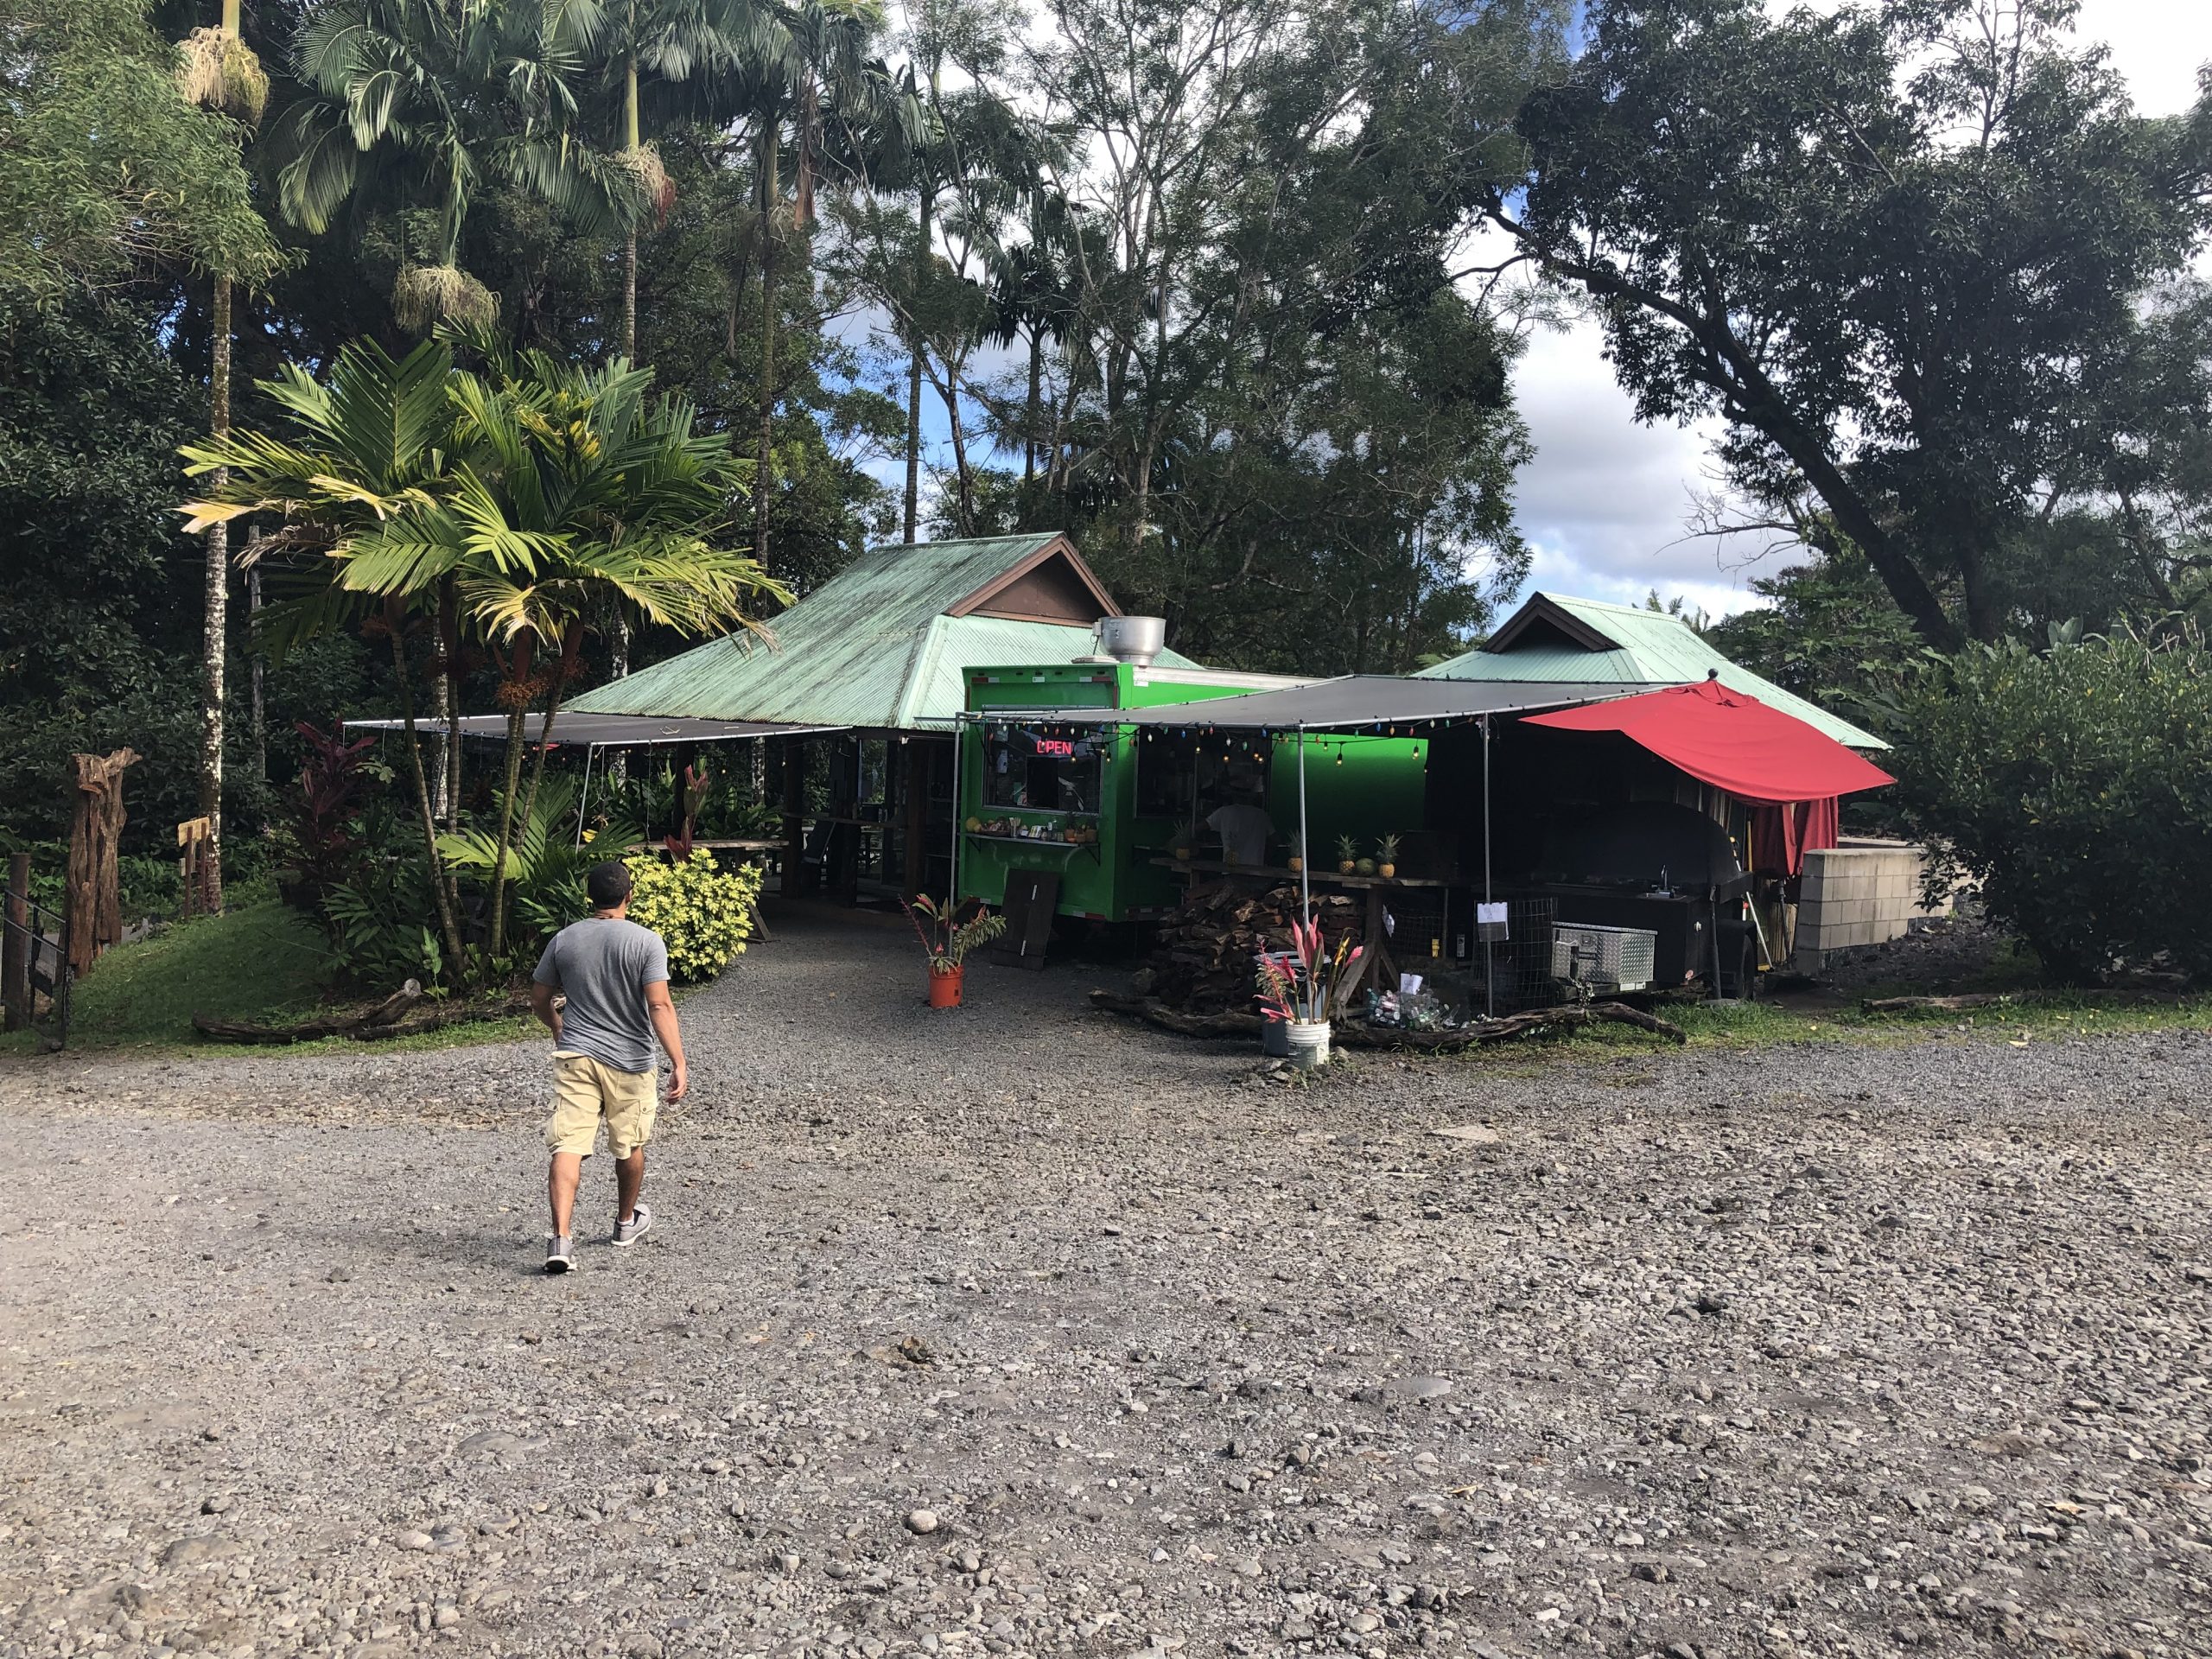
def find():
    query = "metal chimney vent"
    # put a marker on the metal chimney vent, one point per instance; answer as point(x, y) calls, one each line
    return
point(1134, 639)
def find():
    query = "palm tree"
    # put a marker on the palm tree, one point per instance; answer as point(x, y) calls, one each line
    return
point(414, 104)
point(806, 84)
point(534, 493)
point(371, 448)
point(661, 55)
point(579, 496)
point(219, 71)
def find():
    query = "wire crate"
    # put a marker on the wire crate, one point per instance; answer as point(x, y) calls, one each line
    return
point(1604, 958)
point(1518, 970)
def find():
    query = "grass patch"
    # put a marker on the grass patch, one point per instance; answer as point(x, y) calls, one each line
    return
point(256, 962)
point(2028, 1017)
point(259, 962)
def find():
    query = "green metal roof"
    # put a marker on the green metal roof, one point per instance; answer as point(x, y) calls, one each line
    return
point(872, 647)
point(1648, 647)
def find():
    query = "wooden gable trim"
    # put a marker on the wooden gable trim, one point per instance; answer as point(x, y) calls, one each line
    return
point(1542, 609)
point(979, 602)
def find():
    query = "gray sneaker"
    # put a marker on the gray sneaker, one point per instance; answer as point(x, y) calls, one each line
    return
point(560, 1254)
point(629, 1232)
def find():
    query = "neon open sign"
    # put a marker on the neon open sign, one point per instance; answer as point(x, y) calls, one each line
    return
point(1056, 745)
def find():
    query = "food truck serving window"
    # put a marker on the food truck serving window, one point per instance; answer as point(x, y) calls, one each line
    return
point(1026, 767)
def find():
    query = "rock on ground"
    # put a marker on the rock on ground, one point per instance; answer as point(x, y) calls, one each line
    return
point(1829, 1351)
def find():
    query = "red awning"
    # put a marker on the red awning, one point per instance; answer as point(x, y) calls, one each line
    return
point(1731, 740)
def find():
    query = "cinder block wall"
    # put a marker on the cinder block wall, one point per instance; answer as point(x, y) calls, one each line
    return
point(1863, 892)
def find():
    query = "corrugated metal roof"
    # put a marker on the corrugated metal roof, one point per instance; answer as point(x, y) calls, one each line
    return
point(872, 647)
point(1649, 647)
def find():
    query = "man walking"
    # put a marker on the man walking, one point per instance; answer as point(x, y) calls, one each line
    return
point(614, 975)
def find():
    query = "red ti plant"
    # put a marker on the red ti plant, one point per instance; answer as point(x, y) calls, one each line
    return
point(320, 830)
point(1302, 994)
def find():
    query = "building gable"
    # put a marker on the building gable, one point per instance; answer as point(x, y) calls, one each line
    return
point(1052, 584)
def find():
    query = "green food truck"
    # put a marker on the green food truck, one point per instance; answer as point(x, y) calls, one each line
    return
point(1075, 798)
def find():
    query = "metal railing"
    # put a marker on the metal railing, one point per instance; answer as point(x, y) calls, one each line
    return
point(34, 971)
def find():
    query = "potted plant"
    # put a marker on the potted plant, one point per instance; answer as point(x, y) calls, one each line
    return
point(1347, 854)
point(948, 941)
point(1299, 998)
point(1297, 856)
point(1386, 857)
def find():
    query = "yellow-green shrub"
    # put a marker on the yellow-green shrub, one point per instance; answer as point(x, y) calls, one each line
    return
point(704, 915)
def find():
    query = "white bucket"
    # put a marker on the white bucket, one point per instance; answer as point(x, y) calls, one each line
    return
point(1309, 1043)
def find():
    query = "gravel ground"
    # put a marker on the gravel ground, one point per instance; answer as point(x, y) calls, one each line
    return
point(1019, 1330)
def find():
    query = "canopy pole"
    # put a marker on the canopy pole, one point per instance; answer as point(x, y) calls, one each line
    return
point(584, 797)
point(1490, 978)
point(952, 899)
point(1305, 852)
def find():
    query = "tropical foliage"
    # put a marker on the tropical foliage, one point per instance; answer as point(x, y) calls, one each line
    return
point(703, 913)
point(513, 508)
point(2073, 787)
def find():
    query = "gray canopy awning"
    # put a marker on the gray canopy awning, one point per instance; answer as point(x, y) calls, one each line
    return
point(1353, 703)
point(603, 731)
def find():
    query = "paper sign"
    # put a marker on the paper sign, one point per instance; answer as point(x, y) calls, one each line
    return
point(1490, 922)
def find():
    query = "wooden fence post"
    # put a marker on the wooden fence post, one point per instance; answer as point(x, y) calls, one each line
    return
point(16, 954)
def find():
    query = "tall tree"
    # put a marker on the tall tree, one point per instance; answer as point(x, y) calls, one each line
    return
point(107, 173)
point(808, 91)
point(412, 108)
point(1898, 248)
point(220, 72)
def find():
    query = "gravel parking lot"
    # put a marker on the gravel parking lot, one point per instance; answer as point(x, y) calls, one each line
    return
point(1020, 1329)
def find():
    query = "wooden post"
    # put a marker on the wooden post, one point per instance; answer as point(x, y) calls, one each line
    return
point(15, 951)
point(794, 816)
point(94, 908)
point(921, 754)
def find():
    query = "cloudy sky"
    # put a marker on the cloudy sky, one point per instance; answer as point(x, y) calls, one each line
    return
point(1604, 502)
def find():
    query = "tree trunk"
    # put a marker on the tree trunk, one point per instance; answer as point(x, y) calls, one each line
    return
point(1029, 423)
point(914, 377)
point(630, 296)
point(764, 460)
point(450, 676)
point(630, 238)
point(517, 738)
point(963, 479)
point(441, 892)
point(545, 735)
point(260, 709)
point(217, 635)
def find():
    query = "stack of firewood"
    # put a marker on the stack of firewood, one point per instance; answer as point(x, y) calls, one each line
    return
point(1203, 961)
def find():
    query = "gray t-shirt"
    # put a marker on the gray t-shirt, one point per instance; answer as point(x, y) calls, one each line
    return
point(604, 965)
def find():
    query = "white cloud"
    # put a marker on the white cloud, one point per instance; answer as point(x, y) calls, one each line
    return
point(1605, 501)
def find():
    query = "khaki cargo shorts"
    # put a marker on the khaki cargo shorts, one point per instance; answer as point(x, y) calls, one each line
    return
point(585, 1092)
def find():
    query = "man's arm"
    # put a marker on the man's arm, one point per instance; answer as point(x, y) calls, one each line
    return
point(541, 1004)
point(660, 1007)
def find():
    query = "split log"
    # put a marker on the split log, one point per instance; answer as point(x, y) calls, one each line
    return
point(378, 1021)
point(437, 1018)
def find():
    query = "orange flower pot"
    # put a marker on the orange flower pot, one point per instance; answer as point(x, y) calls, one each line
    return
point(945, 987)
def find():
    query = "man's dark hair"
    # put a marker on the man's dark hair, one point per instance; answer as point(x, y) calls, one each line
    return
point(608, 884)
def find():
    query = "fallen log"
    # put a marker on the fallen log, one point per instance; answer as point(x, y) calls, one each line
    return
point(1972, 999)
point(1353, 1035)
point(436, 1018)
point(379, 1018)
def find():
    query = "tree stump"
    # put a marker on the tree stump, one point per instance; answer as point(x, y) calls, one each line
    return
point(95, 878)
